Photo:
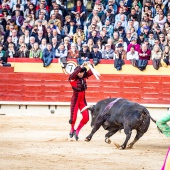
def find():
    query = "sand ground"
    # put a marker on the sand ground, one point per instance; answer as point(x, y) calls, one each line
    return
point(42, 142)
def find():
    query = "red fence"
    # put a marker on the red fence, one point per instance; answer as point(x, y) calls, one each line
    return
point(56, 88)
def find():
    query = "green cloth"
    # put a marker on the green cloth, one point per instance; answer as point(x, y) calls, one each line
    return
point(163, 126)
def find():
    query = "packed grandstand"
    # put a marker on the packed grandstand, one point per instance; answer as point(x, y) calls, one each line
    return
point(109, 29)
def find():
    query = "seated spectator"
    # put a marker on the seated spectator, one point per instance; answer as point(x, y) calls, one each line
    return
point(67, 43)
point(157, 32)
point(52, 26)
point(120, 41)
point(163, 41)
point(151, 39)
point(5, 6)
point(109, 28)
point(80, 9)
point(146, 41)
point(35, 52)
point(10, 52)
point(26, 36)
point(42, 6)
point(23, 51)
point(133, 42)
point(34, 31)
point(41, 19)
point(78, 20)
point(156, 57)
point(54, 44)
point(41, 27)
point(103, 38)
point(108, 53)
point(128, 37)
point(62, 53)
point(144, 53)
point(20, 42)
point(43, 44)
point(90, 44)
point(99, 44)
point(73, 52)
point(113, 4)
point(39, 37)
point(29, 9)
point(84, 55)
point(7, 42)
point(70, 30)
point(58, 16)
point(93, 36)
point(92, 16)
point(120, 56)
point(3, 21)
point(31, 43)
point(140, 39)
point(132, 54)
point(79, 34)
point(3, 59)
point(166, 56)
point(121, 32)
point(121, 11)
point(110, 41)
point(79, 44)
point(48, 55)
point(55, 34)
point(18, 18)
point(56, 7)
point(96, 55)
point(108, 16)
point(18, 7)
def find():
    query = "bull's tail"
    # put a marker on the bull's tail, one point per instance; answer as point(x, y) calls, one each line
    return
point(147, 112)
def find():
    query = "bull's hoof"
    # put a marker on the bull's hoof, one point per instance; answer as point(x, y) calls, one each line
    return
point(87, 139)
point(107, 140)
point(130, 146)
point(117, 145)
point(121, 147)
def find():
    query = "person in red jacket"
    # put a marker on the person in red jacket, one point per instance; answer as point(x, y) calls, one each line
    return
point(78, 101)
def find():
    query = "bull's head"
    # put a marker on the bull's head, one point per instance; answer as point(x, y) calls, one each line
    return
point(92, 111)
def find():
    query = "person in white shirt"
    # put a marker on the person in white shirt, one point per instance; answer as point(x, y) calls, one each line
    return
point(132, 54)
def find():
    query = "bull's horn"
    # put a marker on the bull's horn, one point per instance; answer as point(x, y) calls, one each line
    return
point(86, 107)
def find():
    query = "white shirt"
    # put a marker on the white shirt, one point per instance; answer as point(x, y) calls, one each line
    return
point(27, 40)
point(131, 56)
point(15, 40)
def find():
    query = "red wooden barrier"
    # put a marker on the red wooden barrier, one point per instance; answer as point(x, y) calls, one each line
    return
point(56, 88)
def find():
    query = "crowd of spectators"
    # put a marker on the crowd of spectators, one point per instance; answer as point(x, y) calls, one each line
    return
point(119, 30)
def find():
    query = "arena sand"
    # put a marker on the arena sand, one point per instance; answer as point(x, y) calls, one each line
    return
point(42, 143)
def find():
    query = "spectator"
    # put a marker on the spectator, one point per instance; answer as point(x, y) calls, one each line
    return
point(31, 43)
point(18, 18)
point(120, 56)
point(3, 21)
point(55, 34)
point(10, 52)
point(84, 54)
point(103, 37)
point(93, 36)
point(166, 56)
point(108, 53)
point(146, 41)
point(109, 28)
point(41, 27)
point(48, 55)
point(55, 44)
point(110, 41)
point(90, 44)
point(31, 8)
point(79, 34)
point(43, 44)
point(156, 57)
point(20, 42)
point(34, 31)
point(3, 59)
point(96, 55)
point(73, 52)
point(62, 53)
point(140, 39)
point(70, 30)
point(18, 7)
point(35, 51)
point(108, 16)
point(79, 44)
point(23, 51)
point(120, 41)
point(52, 26)
point(99, 44)
point(67, 43)
point(132, 54)
point(79, 8)
point(41, 18)
point(78, 20)
point(144, 53)
point(128, 37)
point(39, 37)
point(133, 42)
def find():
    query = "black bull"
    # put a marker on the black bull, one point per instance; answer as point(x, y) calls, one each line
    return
point(122, 114)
